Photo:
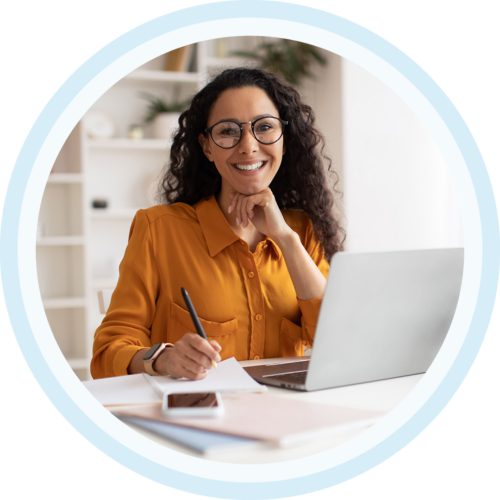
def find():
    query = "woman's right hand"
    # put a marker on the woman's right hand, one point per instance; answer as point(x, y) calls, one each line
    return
point(190, 357)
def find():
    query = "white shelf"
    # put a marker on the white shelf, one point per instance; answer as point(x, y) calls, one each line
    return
point(56, 241)
point(117, 213)
point(223, 62)
point(163, 76)
point(65, 178)
point(64, 303)
point(155, 144)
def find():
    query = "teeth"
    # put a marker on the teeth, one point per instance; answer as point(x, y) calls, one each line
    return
point(249, 168)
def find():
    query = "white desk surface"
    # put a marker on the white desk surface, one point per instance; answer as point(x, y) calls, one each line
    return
point(382, 396)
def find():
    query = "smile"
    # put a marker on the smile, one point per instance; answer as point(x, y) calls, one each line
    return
point(249, 168)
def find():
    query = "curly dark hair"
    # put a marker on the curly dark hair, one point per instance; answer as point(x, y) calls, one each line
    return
point(301, 181)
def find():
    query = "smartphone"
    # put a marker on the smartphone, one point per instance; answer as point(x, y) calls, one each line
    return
point(198, 404)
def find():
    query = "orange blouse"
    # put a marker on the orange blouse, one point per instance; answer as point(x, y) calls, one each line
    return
point(246, 301)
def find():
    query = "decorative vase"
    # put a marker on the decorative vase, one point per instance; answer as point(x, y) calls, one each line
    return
point(164, 124)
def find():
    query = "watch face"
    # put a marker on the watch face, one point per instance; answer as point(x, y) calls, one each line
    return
point(151, 352)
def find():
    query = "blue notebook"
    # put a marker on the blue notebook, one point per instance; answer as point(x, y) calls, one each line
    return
point(204, 442)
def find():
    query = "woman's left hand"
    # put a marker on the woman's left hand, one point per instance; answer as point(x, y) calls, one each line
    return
point(261, 210)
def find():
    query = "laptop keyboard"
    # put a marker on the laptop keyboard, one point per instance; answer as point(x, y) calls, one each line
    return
point(293, 378)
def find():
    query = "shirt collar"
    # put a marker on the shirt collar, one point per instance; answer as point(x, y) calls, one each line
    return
point(275, 247)
point(217, 231)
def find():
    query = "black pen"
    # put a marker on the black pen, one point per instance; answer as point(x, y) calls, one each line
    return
point(194, 317)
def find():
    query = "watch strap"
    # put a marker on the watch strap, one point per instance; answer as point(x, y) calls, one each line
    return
point(148, 363)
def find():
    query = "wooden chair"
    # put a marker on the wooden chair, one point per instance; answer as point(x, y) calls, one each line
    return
point(104, 298)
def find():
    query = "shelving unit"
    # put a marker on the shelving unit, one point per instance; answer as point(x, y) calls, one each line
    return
point(154, 144)
point(79, 248)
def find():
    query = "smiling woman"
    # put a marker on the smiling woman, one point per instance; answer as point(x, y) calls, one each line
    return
point(246, 226)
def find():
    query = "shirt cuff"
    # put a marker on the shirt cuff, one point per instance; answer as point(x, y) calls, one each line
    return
point(310, 311)
point(123, 358)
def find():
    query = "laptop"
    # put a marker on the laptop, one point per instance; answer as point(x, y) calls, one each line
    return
point(383, 315)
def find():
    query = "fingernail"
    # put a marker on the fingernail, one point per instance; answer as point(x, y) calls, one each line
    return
point(230, 209)
point(237, 221)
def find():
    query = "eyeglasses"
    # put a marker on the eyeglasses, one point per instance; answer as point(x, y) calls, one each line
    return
point(227, 133)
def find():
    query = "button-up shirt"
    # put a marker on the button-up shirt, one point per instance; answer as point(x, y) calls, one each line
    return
point(245, 300)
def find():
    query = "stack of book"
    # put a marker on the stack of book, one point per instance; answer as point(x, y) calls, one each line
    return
point(251, 420)
point(181, 59)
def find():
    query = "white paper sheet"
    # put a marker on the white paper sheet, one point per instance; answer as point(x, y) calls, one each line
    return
point(125, 390)
point(135, 389)
point(228, 377)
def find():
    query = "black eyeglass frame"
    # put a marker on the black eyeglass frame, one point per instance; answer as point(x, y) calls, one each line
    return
point(284, 123)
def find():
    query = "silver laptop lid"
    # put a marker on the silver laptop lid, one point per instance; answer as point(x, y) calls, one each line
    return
point(384, 315)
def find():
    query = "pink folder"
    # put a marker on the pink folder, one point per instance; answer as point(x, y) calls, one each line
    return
point(280, 421)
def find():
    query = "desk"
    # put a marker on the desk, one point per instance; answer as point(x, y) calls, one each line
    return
point(380, 396)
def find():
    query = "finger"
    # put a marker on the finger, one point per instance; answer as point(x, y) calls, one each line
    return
point(204, 348)
point(192, 375)
point(238, 210)
point(194, 360)
point(232, 195)
point(216, 345)
point(262, 199)
point(179, 367)
point(249, 204)
point(244, 212)
point(250, 210)
point(193, 370)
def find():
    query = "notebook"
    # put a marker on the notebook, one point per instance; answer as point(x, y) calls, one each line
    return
point(204, 442)
point(383, 315)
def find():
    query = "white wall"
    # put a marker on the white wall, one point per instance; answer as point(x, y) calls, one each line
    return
point(324, 95)
point(397, 190)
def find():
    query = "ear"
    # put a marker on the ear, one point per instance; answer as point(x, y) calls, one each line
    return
point(205, 145)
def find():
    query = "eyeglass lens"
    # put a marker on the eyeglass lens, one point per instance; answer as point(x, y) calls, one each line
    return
point(227, 134)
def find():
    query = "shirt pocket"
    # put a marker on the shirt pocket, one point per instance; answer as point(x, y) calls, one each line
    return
point(224, 333)
point(290, 339)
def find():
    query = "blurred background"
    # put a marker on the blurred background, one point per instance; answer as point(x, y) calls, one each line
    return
point(397, 193)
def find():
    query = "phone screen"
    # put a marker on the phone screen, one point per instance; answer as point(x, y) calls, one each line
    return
point(195, 400)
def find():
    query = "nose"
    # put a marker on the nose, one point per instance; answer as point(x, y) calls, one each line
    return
point(248, 143)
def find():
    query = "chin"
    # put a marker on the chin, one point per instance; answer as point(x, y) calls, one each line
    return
point(249, 190)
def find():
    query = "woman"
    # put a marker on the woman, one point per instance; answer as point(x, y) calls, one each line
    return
point(246, 227)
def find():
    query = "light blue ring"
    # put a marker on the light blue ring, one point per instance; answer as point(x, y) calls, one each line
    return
point(286, 12)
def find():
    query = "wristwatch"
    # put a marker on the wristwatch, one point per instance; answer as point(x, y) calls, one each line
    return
point(152, 355)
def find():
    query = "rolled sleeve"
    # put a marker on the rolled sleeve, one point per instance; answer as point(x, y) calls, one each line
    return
point(310, 312)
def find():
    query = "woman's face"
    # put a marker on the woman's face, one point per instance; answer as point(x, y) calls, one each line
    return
point(244, 105)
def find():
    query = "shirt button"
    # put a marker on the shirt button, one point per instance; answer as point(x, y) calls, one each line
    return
point(265, 246)
point(251, 274)
point(258, 317)
point(256, 357)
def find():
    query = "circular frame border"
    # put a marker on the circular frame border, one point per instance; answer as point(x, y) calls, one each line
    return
point(223, 11)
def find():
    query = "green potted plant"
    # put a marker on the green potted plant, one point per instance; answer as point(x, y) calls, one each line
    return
point(163, 114)
point(289, 58)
